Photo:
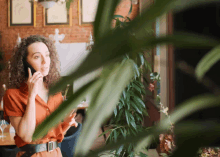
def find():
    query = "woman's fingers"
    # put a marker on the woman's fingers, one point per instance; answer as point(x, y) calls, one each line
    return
point(29, 72)
point(74, 114)
point(71, 120)
point(35, 77)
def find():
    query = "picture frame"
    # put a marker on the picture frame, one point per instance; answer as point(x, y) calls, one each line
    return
point(86, 11)
point(58, 15)
point(21, 13)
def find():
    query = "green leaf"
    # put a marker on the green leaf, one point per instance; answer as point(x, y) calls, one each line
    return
point(105, 132)
point(146, 81)
point(122, 132)
point(128, 19)
point(145, 112)
point(129, 147)
point(128, 105)
point(130, 10)
point(147, 66)
point(207, 62)
point(118, 23)
point(118, 16)
point(202, 132)
point(120, 149)
point(119, 117)
point(68, 3)
point(104, 103)
point(120, 105)
point(115, 135)
point(133, 124)
point(132, 131)
point(139, 101)
point(185, 109)
point(122, 101)
point(65, 108)
point(132, 154)
point(103, 19)
point(137, 69)
point(128, 97)
point(187, 129)
point(124, 94)
point(137, 88)
point(123, 41)
point(136, 108)
point(111, 52)
point(140, 118)
point(127, 116)
point(139, 83)
point(181, 5)
point(143, 155)
point(115, 112)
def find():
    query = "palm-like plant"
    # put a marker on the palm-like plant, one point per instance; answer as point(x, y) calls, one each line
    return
point(108, 51)
point(129, 113)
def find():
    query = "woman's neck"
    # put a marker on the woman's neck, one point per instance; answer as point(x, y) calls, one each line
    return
point(42, 86)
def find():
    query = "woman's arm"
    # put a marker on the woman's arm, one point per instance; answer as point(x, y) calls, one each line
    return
point(25, 126)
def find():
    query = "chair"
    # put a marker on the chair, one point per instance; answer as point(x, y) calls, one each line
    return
point(8, 151)
point(68, 144)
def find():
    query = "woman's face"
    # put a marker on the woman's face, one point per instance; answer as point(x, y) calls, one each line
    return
point(39, 57)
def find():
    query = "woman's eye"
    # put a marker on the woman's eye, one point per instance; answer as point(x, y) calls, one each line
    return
point(36, 57)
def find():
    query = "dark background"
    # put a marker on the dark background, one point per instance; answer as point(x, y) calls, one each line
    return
point(205, 20)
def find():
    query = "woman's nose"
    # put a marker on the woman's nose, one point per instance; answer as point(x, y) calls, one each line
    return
point(43, 60)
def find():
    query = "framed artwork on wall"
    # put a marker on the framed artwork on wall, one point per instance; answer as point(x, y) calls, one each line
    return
point(58, 15)
point(87, 10)
point(21, 13)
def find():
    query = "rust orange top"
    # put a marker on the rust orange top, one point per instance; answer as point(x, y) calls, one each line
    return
point(15, 102)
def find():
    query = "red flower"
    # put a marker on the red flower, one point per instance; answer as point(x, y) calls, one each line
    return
point(151, 86)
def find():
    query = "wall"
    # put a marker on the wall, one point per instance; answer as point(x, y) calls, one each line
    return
point(75, 33)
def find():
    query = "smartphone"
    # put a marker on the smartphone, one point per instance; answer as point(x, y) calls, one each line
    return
point(26, 66)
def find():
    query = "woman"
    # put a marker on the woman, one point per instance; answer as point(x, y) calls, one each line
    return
point(27, 103)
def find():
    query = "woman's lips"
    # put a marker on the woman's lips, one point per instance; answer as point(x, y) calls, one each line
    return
point(44, 69)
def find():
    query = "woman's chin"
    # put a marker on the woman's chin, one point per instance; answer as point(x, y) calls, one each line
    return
point(45, 73)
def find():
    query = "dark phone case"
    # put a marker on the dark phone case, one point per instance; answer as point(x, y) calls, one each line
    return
point(26, 66)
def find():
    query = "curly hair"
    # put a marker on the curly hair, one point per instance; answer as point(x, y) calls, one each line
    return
point(16, 69)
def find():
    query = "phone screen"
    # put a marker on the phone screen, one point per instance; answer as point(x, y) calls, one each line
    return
point(26, 66)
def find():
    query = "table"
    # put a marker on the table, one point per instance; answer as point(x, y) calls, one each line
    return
point(9, 139)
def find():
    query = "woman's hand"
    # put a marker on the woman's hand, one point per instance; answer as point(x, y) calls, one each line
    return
point(71, 120)
point(33, 82)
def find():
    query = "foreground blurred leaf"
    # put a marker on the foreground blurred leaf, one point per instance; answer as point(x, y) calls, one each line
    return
point(104, 102)
point(103, 19)
point(186, 108)
point(65, 108)
point(202, 132)
point(193, 135)
point(122, 41)
point(181, 5)
point(68, 3)
point(207, 62)
point(109, 51)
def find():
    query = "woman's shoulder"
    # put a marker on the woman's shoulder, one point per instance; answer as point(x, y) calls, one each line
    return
point(11, 91)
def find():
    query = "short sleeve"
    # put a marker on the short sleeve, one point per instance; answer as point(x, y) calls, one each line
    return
point(12, 107)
